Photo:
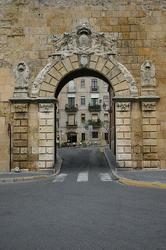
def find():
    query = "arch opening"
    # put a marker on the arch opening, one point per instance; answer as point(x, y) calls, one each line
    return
point(84, 119)
point(82, 72)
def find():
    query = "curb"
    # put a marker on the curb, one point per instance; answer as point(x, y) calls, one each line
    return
point(20, 179)
point(30, 178)
point(131, 182)
point(145, 184)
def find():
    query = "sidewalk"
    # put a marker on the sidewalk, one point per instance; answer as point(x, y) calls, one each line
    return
point(142, 178)
point(11, 177)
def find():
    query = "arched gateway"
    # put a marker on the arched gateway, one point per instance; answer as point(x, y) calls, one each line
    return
point(80, 53)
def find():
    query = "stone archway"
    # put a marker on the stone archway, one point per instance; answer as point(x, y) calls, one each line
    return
point(84, 52)
point(80, 52)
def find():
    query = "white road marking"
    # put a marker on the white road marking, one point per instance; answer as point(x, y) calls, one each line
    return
point(82, 177)
point(105, 177)
point(60, 178)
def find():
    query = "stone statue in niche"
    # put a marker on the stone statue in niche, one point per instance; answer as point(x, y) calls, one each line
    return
point(22, 78)
point(148, 74)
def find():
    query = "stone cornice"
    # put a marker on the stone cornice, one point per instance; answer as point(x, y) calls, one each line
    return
point(34, 100)
point(136, 98)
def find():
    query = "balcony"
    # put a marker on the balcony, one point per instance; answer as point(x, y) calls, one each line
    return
point(94, 108)
point(71, 108)
point(71, 125)
point(95, 124)
point(94, 89)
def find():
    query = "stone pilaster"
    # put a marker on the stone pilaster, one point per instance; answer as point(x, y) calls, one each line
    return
point(46, 135)
point(20, 136)
point(136, 135)
point(123, 133)
point(149, 129)
point(33, 136)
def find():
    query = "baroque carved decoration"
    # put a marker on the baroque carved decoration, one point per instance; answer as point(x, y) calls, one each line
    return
point(84, 41)
point(149, 106)
point(46, 107)
point(21, 108)
point(39, 79)
point(123, 106)
point(148, 74)
point(22, 75)
point(22, 79)
point(129, 78)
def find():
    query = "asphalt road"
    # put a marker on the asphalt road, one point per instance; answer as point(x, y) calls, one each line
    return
point(82, 210)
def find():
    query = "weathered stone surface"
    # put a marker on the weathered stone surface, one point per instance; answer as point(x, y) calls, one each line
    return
point(138, 30)
point(22, 77)
point(148, 74)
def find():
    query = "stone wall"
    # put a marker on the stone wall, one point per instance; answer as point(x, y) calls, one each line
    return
point(25, 31)
point(46, 135)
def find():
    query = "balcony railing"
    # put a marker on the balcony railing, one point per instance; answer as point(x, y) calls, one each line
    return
point(68, 125)
point(94, 89)
point(71, 108)
point(94, 108)
point(95, 124)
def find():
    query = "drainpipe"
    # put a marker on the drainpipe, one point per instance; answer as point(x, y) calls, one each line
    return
point(10, 147)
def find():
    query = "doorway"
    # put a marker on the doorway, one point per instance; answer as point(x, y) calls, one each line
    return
point(72, 137)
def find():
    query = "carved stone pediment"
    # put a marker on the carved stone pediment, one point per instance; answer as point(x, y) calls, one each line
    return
point(21, 108)
point(149, 106)
point(84, 41)
point(46, 107)
point(123, 106)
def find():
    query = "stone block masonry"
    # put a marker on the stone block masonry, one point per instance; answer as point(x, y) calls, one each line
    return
point(20, 136)
point(46, 135)
point(26, 32)
point(149, 128)
point(123, 133)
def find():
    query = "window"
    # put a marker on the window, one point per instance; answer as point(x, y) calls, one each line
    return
point(94, 101)
point(71, 86)
point(94, 85)
point(94, 134)
point(94, 117)
point(71, 120)
point(106, 136)
point(82, 136)
point(83, 118)
point(106, 117)
point(71, 101)
point(82, 100)
point(82, 83)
